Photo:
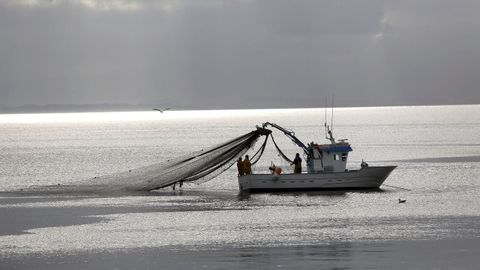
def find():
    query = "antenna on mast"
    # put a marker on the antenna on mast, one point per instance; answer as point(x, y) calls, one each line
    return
point(331, 117)
point(325, 114)
point(329, 129)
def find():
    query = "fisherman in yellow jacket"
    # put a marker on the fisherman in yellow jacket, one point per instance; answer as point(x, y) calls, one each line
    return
point(240, 167)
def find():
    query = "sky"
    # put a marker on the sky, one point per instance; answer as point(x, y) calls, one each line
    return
point(234, 54)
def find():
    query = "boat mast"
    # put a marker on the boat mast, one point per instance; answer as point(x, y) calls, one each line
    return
point(329, 129)
point(325, 114)
point(331, 117)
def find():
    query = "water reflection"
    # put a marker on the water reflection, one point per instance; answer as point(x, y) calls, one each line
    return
point(245, 195)
point(327, 256)
point(339, 255)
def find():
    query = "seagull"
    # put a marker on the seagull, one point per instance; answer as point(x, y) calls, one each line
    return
point(161, 109)
point(401, 201)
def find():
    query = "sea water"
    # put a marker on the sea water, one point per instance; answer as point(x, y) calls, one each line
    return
point(212, 225)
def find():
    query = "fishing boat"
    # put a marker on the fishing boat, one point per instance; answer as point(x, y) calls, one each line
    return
point(326, 169)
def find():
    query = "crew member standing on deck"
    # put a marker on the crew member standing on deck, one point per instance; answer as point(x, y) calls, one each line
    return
point(298, 163)
point(247, 166)
point(240, 167)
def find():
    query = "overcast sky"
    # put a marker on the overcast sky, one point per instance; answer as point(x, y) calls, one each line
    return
point(239, 53)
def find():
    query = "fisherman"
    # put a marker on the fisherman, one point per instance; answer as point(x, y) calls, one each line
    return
point(240, 167)
point(298, 164)
point(275, 169)
point(247, 166)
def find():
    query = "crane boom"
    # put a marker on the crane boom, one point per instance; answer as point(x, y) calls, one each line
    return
point(290, 134)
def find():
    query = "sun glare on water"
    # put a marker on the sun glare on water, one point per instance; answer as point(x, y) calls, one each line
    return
point(125, 116)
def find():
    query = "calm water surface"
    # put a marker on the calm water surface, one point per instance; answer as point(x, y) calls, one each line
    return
point(211, 225)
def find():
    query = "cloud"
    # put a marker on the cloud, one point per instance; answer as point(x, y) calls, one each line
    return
point(320, 17)
point(111, 4)
point(102, 5)
point(387, 29)
point(239, 53)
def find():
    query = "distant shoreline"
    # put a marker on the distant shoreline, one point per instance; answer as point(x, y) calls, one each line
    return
point(76, 108)
point(83, 108)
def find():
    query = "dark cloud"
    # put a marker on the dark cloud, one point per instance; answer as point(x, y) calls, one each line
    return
point(244, 53)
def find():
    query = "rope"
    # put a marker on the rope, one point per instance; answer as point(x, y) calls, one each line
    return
point(260, 151)
point(280, 151)
point(397, 187)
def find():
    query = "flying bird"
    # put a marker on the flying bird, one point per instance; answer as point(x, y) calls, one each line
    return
point(401, 201)
point(161, 109)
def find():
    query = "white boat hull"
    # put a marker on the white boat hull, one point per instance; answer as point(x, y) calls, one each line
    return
point(365, 178)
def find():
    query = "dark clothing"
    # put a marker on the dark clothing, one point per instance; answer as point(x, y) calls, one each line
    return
point(240, 167)
point(298, 164)
point(247, 166)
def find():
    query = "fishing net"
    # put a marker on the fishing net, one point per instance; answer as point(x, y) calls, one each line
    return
point(201, 166)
